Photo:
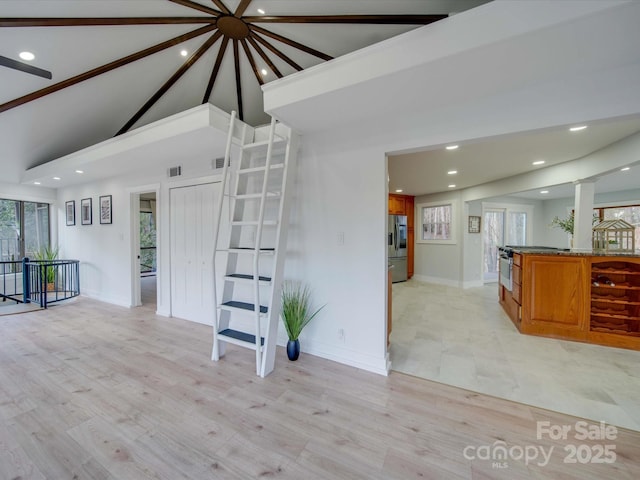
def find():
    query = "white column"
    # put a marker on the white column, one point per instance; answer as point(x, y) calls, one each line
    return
point(583, 215)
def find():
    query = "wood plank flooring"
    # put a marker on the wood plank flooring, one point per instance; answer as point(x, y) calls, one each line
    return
point(93, 391)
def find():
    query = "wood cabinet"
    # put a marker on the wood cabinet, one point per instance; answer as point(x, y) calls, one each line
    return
point(593, 299)
point(397, 204)
point(404, 205)
point(615, 300)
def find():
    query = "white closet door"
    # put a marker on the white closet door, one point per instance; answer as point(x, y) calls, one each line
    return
point(192, 224)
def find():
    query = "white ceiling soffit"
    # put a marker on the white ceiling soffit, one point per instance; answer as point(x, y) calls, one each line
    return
point(198, 133)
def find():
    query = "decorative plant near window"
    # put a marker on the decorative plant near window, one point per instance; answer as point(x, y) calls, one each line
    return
point(46, 255)
point(296, 314)
point(567, 224)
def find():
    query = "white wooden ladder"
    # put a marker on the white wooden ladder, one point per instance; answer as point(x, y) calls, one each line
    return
point(252, 237)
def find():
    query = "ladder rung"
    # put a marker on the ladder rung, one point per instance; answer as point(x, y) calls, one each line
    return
point(264, 144)
point(241, 277)
point(254, 223)
point(274, 166)
point(244, 306)
point(239, 338)
point(256, 196)
point(250, 250)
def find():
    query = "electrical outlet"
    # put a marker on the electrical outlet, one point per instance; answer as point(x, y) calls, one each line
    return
point(341, 335)
point(340, 238)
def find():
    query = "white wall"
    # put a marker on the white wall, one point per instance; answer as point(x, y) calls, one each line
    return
point(105, 251)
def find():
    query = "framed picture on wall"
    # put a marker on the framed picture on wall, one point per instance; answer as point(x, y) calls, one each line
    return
point(105, 209)
point(474, 224)
point(86, 213)
point(70, 211)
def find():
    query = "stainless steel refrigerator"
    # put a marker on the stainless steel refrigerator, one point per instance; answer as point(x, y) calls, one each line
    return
point(397, 242)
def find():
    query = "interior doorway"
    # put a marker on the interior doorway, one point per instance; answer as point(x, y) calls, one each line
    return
point(148, 249)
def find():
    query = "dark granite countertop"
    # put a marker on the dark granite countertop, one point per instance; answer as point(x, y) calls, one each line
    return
point(569, 253)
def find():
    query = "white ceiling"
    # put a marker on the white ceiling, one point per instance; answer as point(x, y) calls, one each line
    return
point(94, 110)
point(490, 159)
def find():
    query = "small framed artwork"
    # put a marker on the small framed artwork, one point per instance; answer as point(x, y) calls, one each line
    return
point(105, 209)
point(70, 211)
point(86, 214)
point(474, 224)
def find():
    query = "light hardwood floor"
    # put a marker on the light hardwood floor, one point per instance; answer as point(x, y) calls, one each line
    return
point(93, 391)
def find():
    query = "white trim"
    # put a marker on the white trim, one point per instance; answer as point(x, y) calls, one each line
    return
point(437, 280)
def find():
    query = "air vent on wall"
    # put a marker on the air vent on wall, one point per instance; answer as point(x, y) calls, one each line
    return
point(175, 171)
point(219, 163)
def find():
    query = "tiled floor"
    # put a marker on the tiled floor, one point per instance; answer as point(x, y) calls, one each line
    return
point(463, 338)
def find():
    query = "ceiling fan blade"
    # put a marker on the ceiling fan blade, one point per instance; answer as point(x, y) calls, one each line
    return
point(24, 67)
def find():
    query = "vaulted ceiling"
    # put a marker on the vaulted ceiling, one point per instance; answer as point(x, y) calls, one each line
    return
point(120, 64)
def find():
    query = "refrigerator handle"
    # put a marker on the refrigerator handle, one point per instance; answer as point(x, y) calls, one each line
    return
point(395, 231)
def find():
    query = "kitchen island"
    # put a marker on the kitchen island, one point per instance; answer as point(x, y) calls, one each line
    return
point(586, 297)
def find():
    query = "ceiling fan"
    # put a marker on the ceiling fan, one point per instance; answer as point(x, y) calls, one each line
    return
point(24, 67)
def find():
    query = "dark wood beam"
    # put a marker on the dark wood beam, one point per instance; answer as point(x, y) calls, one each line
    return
point(349, 19)
point(222, 6)
point(169, 83)
point(93, 22)
point(276, 51)
point(236, 62)
point(264, 56)
point(216, 69)
point(247, 52)
point(241, 8)
point(291, 43)
point(105, 68)
point(197, 6)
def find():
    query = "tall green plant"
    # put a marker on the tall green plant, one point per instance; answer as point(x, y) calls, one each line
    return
point(48, 254)
point(296, 308)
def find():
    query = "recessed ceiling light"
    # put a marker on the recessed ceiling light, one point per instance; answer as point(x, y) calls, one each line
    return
point(452, 147)
point(544, 192)
point(625, 169)
point(184, 53)
point(263, 71)
point(261, 11)
point(578, 128)
point(56, 178)
point(36, 183)
point(27, 56)
point(452, 186)
point(538, 162)
point(79, 171)
point(399, 190)
point(452, 172)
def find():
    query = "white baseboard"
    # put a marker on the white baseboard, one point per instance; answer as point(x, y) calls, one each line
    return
point(101, 298)
point(345, 357)
point(473, 284)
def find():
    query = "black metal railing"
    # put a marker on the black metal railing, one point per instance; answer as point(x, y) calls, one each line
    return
point(148, 260)
point(11, 281)
point(49, 281)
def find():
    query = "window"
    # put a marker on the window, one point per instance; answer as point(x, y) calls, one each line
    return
point(24, 228)
point(437, 222)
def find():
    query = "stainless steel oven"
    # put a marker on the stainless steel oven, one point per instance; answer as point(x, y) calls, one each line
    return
point(506, 265)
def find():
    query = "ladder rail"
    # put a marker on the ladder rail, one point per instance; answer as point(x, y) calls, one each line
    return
point(258, 243)
point(215, 354)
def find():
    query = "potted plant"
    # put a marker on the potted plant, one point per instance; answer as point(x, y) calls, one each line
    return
point(296, 314)
point(565, 224)
point(46, 255)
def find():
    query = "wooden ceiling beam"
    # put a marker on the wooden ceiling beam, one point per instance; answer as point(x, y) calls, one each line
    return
point(236, 62)
point(169, 83)
point(291, 43)
point(105, 68)
point(102, 21)
point(264, 56)
point(222, 6)
point(252, 61)
point(241, 8)
point(349, 19)
point(273, 49)
point(216, 69)
point(197, 6)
